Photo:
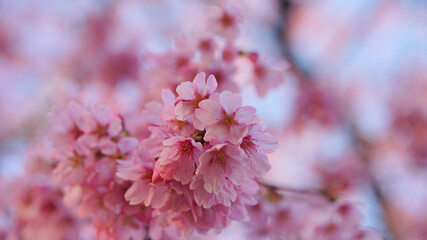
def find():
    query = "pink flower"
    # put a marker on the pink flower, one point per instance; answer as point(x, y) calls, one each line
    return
point(115, 201)
point(143, 190)
point(153, 145)
point(366, 234)
point(107, 121)
point(158, 113)
point(191, 94)
point(37, 212)
point(226, 119)
point(267, 74)
point(223, 72)
point(71, 166)
point(223, 22)
point(220, 164)
point(245, 198)
point(329, 231)
point(255, 144)
point(235, 197)
point(201, 196)
point(70, 123)
point(205, 199)
point(118, 149)
point(127, 228)
point(210, 218)
point(179, 158)
point(229, 53)
point(101, 173)
point(178, 200)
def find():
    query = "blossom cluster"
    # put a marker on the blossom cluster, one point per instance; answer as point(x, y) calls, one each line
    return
point(197, 170)
point(306, 217)
point(188, 166)
point(213, 51)
point(87, 144)
point(40, 213)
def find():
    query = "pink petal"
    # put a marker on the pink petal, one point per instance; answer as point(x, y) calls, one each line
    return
point(72, 195)
point(168, 155)
point(168, 113)
point(85, 122)
point(87, 142)
point(204, 162)
point(237, 133)
point(137, 193)
point(216, 134)
point(185, 90)
point(214, 181)
point(198, 124)
point(60, 120)
point(185, 171)
point(211, 84)
point(235, 171)
point(156, 196)
point(102, 114)
point(246, 115)
point(128, 170)
point(115, 127)
point(266, 142)
point(173, 140)
point(127, 144)
point(152, 112)
point(209, 112)
point(201, 196)
point(227, 195)
point(259, 164)
point(168, 97)
point(229, 101)
point(200, 82)
point(107, 147)
point(183, 110)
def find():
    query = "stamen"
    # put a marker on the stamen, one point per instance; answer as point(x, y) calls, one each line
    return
point(228, 120)
point(248, 145)
point(219, 160)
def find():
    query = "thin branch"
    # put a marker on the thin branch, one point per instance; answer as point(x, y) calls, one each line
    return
point(147, 232)
point(364, 148)
point(301, 75)
point(293, 190)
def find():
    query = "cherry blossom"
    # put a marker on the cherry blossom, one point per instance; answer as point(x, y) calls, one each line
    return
point(225, 117)
point(191, 94)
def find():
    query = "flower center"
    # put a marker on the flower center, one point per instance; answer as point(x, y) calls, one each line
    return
point(205, 45)
point(219, 160)
point(147, 175)
point(226, 20)
point(248, 145)
point(185, 149)
point(228, 120)
point(197, 99)
point(76, 161)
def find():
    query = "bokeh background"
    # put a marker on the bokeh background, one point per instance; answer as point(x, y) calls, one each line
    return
point(351, 116)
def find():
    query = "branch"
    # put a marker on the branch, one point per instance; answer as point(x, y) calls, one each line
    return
point(293, 190)
point(147, 232)
point(364, 148)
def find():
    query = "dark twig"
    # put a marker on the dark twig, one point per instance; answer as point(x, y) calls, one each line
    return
point(301, 75)
point(292, 189)
point(147, 233)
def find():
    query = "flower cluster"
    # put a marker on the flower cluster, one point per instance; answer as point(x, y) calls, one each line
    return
point(87, 144)
point(183, 164)
point(197, 170)
point(306, 217)
point(215, 52)
point(39, 213)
